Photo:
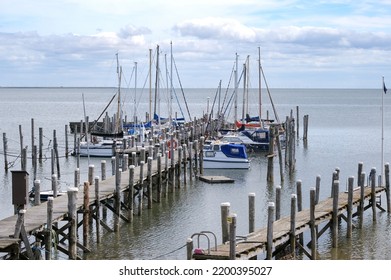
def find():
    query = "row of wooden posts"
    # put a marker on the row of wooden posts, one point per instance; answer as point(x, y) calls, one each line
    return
point(229, 220)
point(167, 174)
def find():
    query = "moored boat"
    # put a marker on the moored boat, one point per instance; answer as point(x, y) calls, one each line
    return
point(224, 155)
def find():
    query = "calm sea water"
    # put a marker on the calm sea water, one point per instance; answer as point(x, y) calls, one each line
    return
point(344, 129)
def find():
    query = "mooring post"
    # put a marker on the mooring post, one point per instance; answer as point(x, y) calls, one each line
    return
point(54, 185)
point(131, 193)
point(184, 164)
point(91, 168)
point(201, 154)
point(37, 192)
point(117, 202)
point(149, 186)
point(312, 222)
point(113, 161)
point(350, 207)
point(299, 205)
point(362, 201)
point(159, 177)
point(180, 159)
point(224, 207)
point(97, 210)
point(359, 171)
point(40, 143)
point(48, 232)
point(232, 236)
point(191, 172)
point(270, 220)
point(66, 141)
point(5, 149)
point(196, 157)
point(189, 248)
point(72, 216)
point(251, 212)
point(373, 193)
point(141, 190)
point(278, 202)
point(293, 226)
point(166, 168)
point(335, 214)
point(76, 179)
point(317, 188)
point(387, 180)
point(86, 213)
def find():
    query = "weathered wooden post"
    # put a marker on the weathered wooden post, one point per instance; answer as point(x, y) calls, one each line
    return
point(91, 168)
point(189, 248)
point(224, 207)
point(359, 171)
point(293, 226)
point(141, 189)
point(278, 202)
point(131, 193)
point(317, 188)
point(350, 207)
point(48, 231)
point(86, 213)
point(72, 216)
point(97, 210)
point(159, 177)
point(117, 202)
point(37, 192)
point(191, 172)
point(40, 144)
point(270, 220)
point(5, 148)
point(232, 236)
point(270, 156)
point(373, 193)
point(113, 163)
point(77, 178)
point(103, 169)
point(299, 204)
point(66, 141)
point(149, 186)
point(334, 221)
point(184, 164)
point(54, 185)
point(362, 201)
point(251, 212)
point(312, 222)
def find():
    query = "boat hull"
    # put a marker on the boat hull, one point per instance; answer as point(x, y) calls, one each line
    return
point(225, 164)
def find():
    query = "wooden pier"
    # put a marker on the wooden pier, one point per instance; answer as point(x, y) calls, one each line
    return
point(123, 193)
point(286, 234)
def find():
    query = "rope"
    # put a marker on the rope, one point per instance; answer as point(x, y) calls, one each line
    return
point(158, 257)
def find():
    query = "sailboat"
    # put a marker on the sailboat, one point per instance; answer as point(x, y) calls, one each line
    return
point(104, 143)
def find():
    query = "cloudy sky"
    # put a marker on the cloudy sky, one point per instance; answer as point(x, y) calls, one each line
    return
point(331, 43)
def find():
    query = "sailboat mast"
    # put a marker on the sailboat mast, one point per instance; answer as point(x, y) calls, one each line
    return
point(119, 73)
point(135, 94)
point(171, 85)
point(244, 90)
point(150, 85)
point(236, 89)
point(156, 82)
point(260, 86)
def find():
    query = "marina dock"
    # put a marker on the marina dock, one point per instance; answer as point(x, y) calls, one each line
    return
point(286, 234)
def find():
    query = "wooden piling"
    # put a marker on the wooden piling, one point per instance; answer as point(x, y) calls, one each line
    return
point(278, 202)
point(131, 193)
point(293, 226)
point(5, 148)
point(91, 168)
point(224, 207)
point(72, 217)
point(159, 177)
point(48, 231)
point(350, 207)
point(86, 213)
point(77, 178)
point(317, 188)
point(117, 199)
point(103, 169)
point(362, 206)
point(232, 236)
point(251, 212)
point(334, 221)
point(149, 180)
point(141, 190)
point(312, 223)
point(40, 144)
point(97, 210)
point(270, 220)
point(373, 193)
point(54, 185)
point(37, 192)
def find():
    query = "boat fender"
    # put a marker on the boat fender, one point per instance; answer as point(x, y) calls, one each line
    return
point(199, 251)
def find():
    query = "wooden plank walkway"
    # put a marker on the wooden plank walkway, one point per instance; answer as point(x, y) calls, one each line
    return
point(35, 218)
point(255, 243)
